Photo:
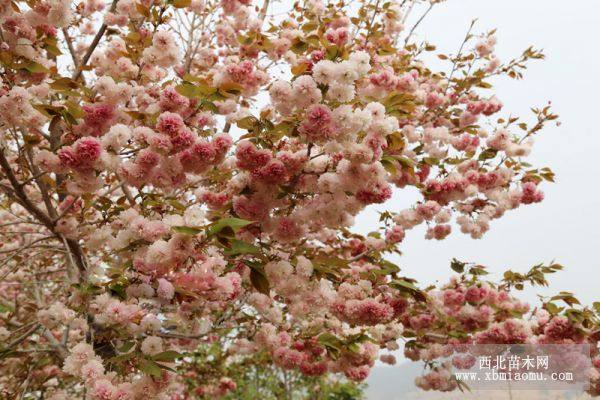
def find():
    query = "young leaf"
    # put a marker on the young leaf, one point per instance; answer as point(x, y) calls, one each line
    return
point(149, 367)
point(187, 230)
point(181, 3)
point(259, 281)
point(233, 223)
point(239, 247)
point(167, 356)
point(457, 266)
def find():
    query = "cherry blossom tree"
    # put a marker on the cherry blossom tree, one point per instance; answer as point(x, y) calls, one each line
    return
point(182, 176)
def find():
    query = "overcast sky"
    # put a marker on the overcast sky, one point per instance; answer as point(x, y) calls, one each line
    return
point(566, 225)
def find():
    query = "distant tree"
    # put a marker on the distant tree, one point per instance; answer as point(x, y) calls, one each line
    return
point(256, 377)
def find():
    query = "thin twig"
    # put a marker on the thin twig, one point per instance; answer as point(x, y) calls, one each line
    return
point(21, 197)
point(90, 50)
point(455, 64)
point(418, 22)
point(263, 10)
point(24, 336)
point(71, 48)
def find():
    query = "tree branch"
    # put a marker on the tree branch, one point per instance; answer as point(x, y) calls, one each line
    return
point(71, 48)
point(90, 50)
point(417, 24)
point(21, 196)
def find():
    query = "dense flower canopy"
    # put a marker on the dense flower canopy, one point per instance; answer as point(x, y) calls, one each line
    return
point(181, 174)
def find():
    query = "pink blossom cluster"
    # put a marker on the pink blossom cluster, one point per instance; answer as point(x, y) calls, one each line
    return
point(243, 74)
point(487, 315)
point(102, 385)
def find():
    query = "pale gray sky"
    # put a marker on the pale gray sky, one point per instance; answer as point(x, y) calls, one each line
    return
point(566, 225)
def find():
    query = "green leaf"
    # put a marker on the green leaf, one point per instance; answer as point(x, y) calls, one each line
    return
point(310, 26)
point(126, 347)
point(34, 67)
point(478, 270)
point(389, 165)
point(233, 224)
point(74, 109)
point(280, 130)
point(553, 308)
point(404, 161)
point(431, 161)
point(119, 290)
point(47, 110)
point(354, 348)
point(488, 154)
point(299, 68)
point(457, 266)
point(167, 356)
point(332, 52)
point(230, 89)
point(240, 247)
point(64, 83)
point(52, 49)
point(299, 46)
point(360, 338)
point(122, 357)
point(567, 297)
point(332, 343)
point(4, 308)
point(457, 334)
point(401, 283)
point(149, 367)
point(176, 205)
point(249, 123)
point(406, 286)
point(259, 281)
point(389, 267)
point(187, 230)
point(188, 90)
point(330, 340)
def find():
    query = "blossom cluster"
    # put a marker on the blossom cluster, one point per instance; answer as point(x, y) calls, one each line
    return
point(486, 315)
